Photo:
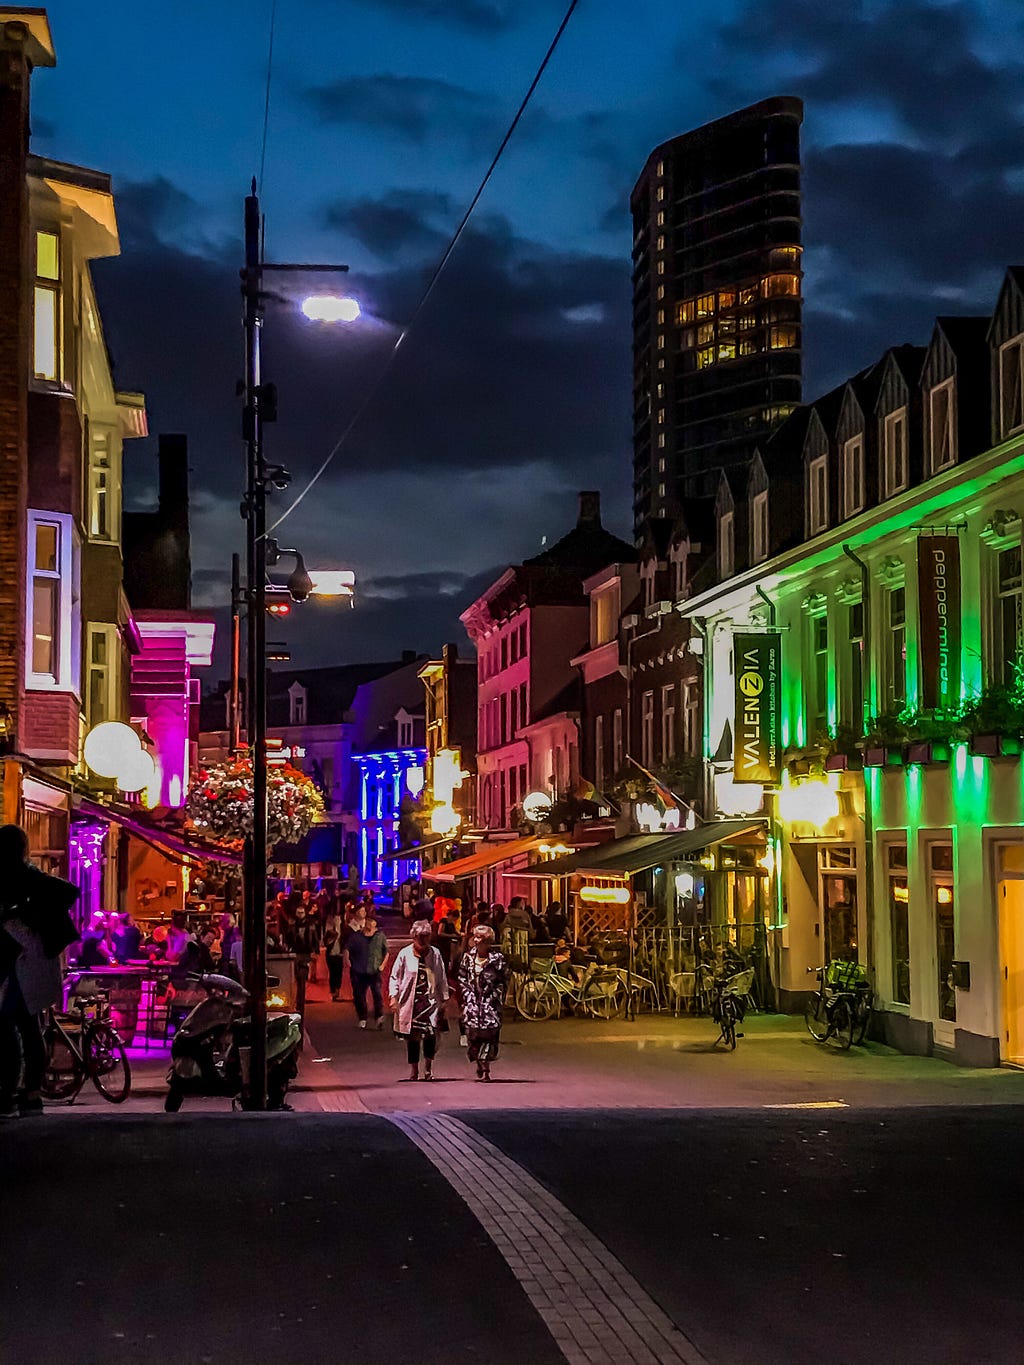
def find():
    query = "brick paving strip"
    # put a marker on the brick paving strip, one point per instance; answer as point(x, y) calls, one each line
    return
point(596, 1311)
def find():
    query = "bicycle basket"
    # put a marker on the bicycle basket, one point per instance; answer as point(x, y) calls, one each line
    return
point(845, 975)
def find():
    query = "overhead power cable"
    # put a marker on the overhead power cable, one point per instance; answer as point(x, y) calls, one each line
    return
point(266, 98)
point(373, 389)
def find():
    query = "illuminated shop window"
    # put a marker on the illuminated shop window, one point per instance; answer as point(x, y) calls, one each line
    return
point(46, 307)
point(894, 441)
point(940, 861)
point(899, 922)
point(942, 444)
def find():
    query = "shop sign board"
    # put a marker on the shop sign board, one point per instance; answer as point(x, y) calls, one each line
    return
point(938, 581)
point(757, 748)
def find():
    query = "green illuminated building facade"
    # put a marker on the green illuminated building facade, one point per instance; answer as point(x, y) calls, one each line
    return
point(879, 532)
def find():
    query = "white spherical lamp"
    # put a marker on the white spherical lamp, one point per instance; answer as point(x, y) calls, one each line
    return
point(137, 773)
point(110, 746)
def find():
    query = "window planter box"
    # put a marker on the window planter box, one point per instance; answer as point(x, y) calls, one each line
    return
point(928, 751)
point(995, 746)
point(843, 763)
point(883, 756)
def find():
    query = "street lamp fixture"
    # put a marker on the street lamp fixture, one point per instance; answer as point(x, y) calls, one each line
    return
point(330, 308)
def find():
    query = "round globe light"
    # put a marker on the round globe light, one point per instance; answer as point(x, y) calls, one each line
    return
point(444, 819)
point(536, 806)
point(110, 746)
point(137, 773)
point(330, 308)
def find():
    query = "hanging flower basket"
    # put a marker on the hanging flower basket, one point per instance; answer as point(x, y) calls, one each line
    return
point(995, 745)
point(219, 803)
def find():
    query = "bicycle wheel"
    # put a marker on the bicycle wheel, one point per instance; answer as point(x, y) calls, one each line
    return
point(64, 1075)
point(729, 1024)
point(840, 1032)
point(816, 1018)
point(862, 1018)
point(538, 999)
point(606, 1004)
point(107, 1062)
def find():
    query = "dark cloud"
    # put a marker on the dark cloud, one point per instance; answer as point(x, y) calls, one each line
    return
point(918, 60)
point(396, 223)
point(416, 107)
point(484, 16)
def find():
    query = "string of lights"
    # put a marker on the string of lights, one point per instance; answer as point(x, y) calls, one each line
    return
point(446, 256)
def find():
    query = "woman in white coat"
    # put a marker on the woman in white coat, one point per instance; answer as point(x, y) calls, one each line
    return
point(418, 989)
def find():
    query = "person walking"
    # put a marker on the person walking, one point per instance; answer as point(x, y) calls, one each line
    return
point(367, 952)
point(418, 991)
point(483, 980)
point(304, 941)
point(35, 928)
point(335, 934)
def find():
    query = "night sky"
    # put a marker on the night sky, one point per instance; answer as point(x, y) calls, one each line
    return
point(514, 389)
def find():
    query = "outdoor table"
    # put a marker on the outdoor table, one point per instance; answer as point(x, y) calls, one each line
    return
point(132, 987)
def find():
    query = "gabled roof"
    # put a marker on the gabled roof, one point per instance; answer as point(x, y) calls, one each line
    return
point(964, 333)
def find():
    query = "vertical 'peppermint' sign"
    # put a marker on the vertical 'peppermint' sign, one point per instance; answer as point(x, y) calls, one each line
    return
point(757, 753)
point(938, 581)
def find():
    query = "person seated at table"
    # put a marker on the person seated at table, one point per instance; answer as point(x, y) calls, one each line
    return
point(565, 964)
point(127, 938)
point(197, 956)
point(97, 948)
point(178, 936)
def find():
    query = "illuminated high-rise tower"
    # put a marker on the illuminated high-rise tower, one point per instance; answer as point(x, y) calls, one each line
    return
point(716, 299)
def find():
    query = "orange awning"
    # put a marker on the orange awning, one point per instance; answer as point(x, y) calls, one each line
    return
point(482, 859)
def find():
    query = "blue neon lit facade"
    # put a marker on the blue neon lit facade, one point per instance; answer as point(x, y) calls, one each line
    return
point(383, 784)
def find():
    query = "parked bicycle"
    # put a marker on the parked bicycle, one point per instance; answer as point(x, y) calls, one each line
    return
point(840, 1010)
point(729, 996)
point(83, 1045)
point(595, 991)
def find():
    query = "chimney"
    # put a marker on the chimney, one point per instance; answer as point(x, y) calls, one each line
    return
point(172, 456)
point(590, 509)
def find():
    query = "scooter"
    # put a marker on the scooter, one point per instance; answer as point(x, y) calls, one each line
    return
point(210, 1051)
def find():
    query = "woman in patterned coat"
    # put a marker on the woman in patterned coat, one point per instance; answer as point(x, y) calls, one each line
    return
point(483, 980)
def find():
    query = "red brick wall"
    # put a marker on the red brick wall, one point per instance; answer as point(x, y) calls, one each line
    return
point(14, 360)
point(49, 726)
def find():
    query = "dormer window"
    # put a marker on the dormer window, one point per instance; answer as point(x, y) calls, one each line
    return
point(894, 453)
point(942, 448)
point(405, 733)
point(727, 545)
point(296, 704)
point(817, 501)
point(1011, 387)
point(853, 475)
point(759, 527)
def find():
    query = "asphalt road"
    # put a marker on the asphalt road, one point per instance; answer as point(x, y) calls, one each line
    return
point(840, 1236)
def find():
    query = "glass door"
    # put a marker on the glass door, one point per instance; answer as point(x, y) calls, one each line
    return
point(837, 876)
point(940, 864)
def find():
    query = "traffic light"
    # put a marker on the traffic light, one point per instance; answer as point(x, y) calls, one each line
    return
point(278, 608)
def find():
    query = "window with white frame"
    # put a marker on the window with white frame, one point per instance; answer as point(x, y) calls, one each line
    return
point(647, 727)
point(46, 308)
point(896, 645)
point(894, 455)
point(52, 607)
point(727, 545)
point(1011, 387)
point(853, 475)
point(942, 447)
point(101, 673)
point(759, 526)
point(855, 677)
point(617, 751)
point(1009, 616)
point(668, 723)
point(599, 751)
point(405, 727)
point(817, 711)
point(691, 719)
point(817, 501)
point(102, 519)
